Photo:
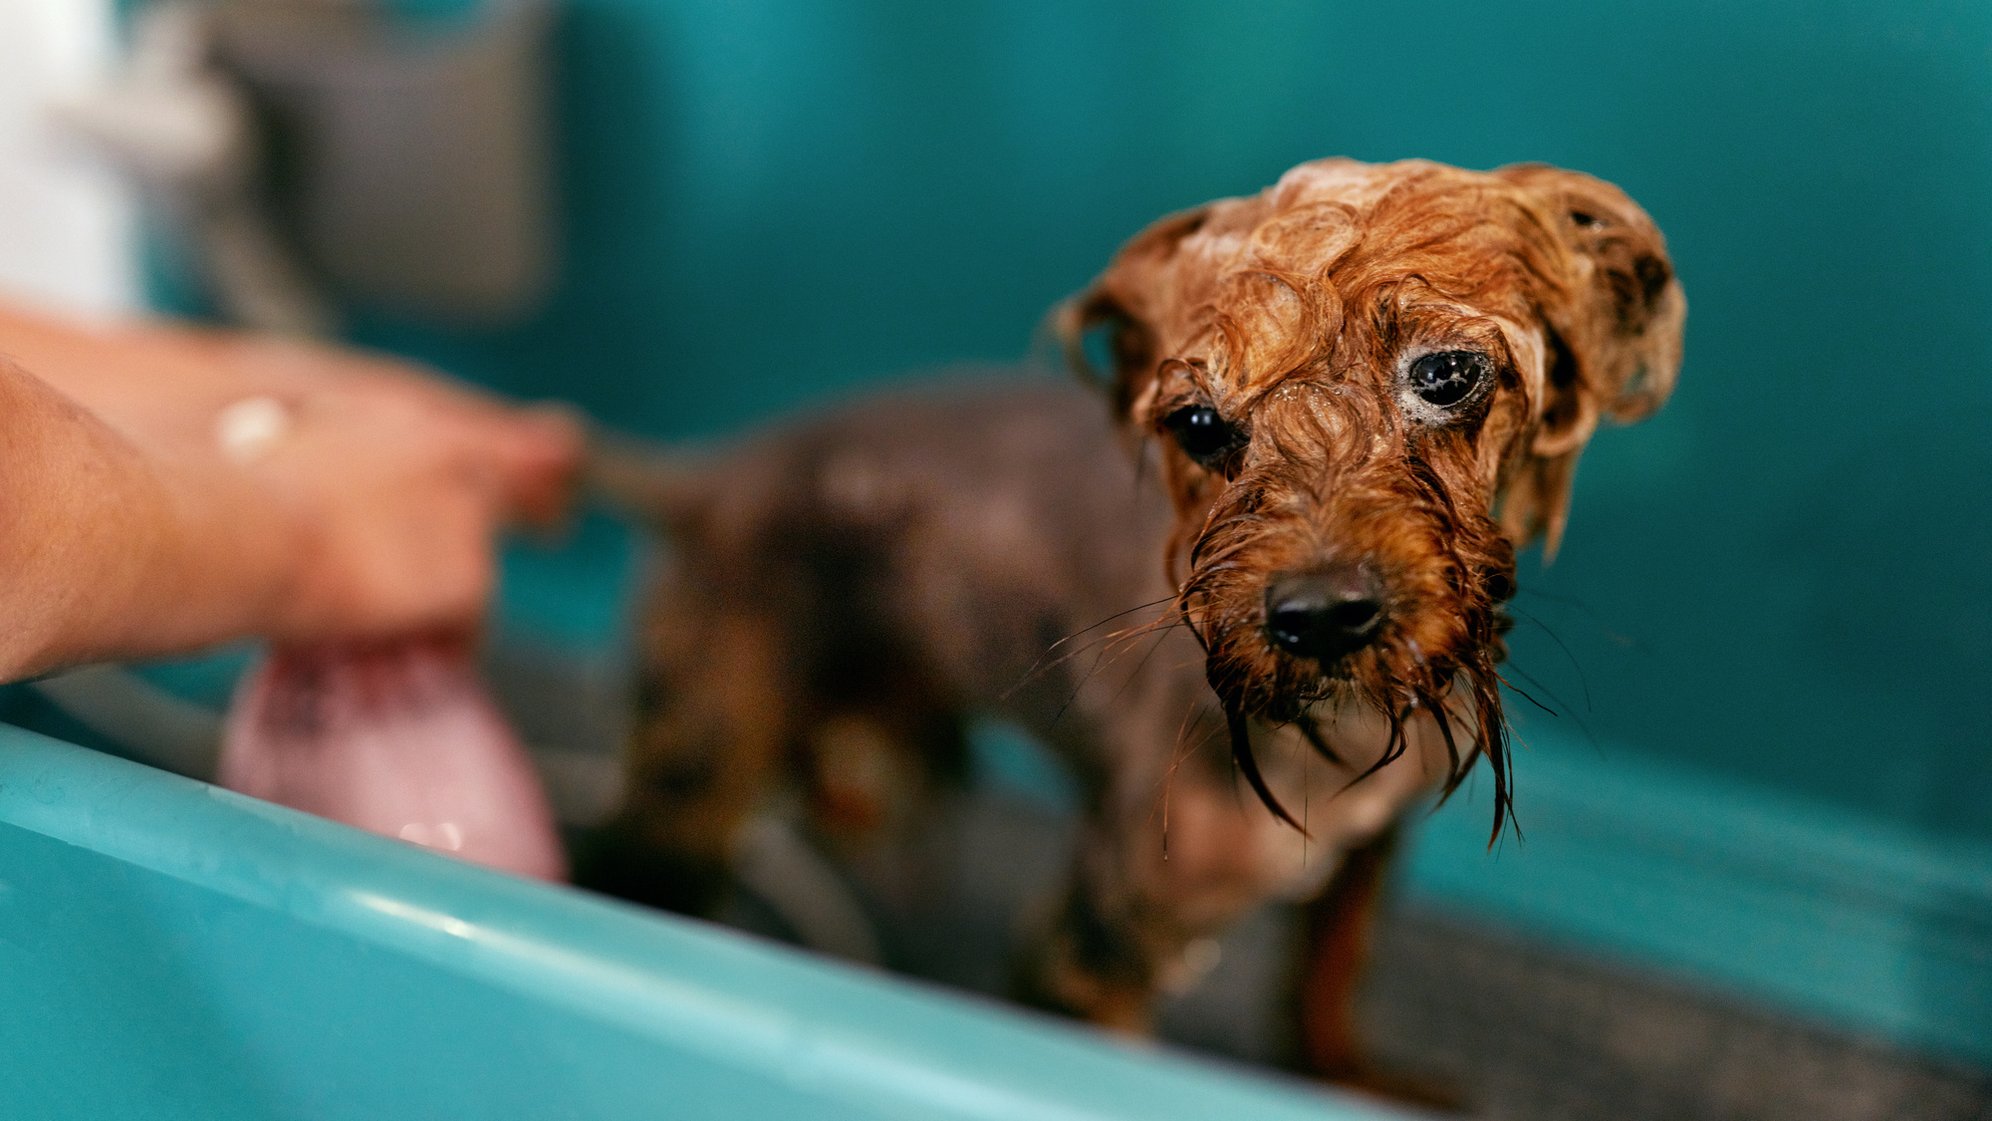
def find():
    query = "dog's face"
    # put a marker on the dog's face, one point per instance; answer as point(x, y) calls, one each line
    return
point(1372, 384)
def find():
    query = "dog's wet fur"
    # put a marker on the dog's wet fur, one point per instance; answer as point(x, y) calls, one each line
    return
point(1268, 551)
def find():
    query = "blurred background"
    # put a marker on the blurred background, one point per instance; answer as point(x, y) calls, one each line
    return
point(1757, 875)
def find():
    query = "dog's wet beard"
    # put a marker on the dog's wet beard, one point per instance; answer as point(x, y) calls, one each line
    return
point(1477, 685)
point(1460, 692)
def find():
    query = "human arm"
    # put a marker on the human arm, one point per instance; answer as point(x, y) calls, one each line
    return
point(130, 530)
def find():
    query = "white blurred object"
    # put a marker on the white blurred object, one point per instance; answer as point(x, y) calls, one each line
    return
point(248, 429)
point(170, 115)
point(415, 155)
point(399, 740)
point(67, 223)
point(184, 129)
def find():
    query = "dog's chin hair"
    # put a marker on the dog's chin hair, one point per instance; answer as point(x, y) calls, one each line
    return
point(1463, 702)
point(1452, 677)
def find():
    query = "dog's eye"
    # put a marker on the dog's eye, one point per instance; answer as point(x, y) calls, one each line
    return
point(1203, 435)
point(1448, 377)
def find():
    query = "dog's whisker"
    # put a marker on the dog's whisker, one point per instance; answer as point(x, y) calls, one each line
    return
point(1583, 682)
point(1085, 630)
point(1042, 666)
point(1111, 648)
point(1524, 693)
point(1598, 621)
point(1134, 675)
point(1141, 465)
point(1108, 656)
point(1311, 731)
point(1248, 765)
point(1098, 644)
point(1157, 602)
point(1568, 710)
point(1184, 748)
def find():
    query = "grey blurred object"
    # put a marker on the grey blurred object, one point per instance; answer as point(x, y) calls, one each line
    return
point(415, 156)
point(321, 152)
point(569, 707)
point(186, 131)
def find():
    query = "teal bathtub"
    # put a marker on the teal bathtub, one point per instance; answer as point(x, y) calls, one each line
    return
point(173, 950)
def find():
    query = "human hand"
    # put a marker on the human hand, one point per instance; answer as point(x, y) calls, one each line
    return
point(383, 483)
point(359, 502)
point(395, 481)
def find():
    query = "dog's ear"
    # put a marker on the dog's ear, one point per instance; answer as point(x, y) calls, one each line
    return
point(1612, 339)
point(1123, 305)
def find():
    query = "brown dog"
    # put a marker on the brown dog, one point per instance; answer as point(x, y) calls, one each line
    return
point(1369, 385)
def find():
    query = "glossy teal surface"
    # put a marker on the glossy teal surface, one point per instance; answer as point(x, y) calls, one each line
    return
point(1877, 931)
point(171, 950)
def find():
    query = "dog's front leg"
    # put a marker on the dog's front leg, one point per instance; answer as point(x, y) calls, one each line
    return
point(1334, 953)
point(1171, 861)
point(714, 729)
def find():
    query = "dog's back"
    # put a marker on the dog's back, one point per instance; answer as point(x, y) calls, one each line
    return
point(964, 536)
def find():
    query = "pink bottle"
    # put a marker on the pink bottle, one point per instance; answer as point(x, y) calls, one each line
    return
point(398, 739)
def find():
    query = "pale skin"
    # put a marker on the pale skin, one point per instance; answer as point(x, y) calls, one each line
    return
point(128, 530)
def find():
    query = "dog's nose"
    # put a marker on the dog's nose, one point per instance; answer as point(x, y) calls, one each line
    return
point(1325, 613)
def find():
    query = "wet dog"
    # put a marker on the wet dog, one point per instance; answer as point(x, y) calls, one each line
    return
point(1270, 553)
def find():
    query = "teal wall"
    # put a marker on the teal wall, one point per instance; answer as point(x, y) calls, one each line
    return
point(1783, 579)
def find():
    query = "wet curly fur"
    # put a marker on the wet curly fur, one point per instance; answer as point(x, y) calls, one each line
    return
point(877, 575)
point(1293, 314)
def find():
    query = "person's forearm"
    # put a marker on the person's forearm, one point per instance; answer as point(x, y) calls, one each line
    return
point(107, 550)
point(125, 369)
point(360, 502)
point(78, 500)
